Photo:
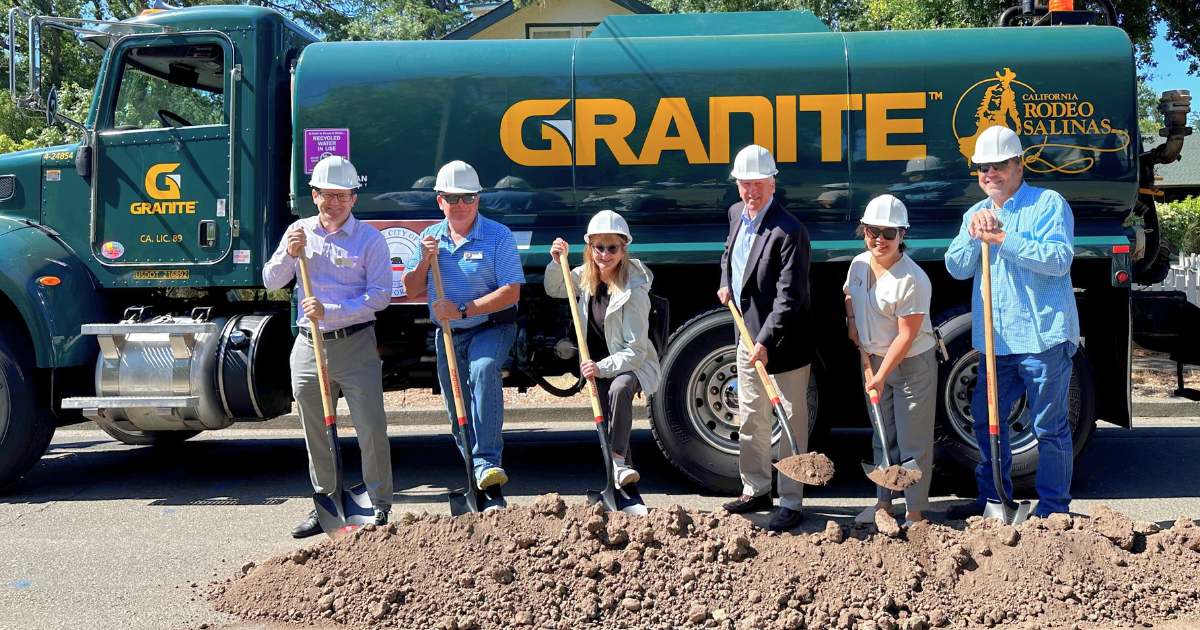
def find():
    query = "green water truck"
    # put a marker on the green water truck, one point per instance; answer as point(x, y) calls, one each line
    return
point(130, 280)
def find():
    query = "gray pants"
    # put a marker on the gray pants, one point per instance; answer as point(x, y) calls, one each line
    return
point(616, 401)
point(355, 372)
point(907, 404)
point(757, 423)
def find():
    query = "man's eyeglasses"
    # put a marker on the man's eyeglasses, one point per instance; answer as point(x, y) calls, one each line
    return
point(611, 250)
point(330, 196)
point(453, 199)
point(888, 234)
point(998, 166)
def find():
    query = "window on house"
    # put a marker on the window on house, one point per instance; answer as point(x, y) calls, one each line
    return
point(560, 31)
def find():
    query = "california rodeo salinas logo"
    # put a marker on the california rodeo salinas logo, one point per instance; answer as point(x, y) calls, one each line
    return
point(1080, 134)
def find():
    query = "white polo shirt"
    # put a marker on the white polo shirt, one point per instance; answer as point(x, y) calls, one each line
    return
point(902, 290)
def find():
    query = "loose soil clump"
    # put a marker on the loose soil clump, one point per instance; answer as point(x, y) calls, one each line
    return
point(552, 566)
point(814, 469)
point(895, 477)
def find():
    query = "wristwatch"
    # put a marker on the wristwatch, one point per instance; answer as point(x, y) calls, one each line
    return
point(462, 310)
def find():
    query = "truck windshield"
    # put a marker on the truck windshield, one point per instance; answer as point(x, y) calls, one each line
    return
point(171, 86)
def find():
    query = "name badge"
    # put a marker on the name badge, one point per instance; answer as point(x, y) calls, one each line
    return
point(472, 255)
point(345, 262)
point(858, 282)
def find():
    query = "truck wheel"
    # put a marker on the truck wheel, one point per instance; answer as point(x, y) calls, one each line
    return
point(955, 443)
point(146, 438)
point(26, 425)
point(694, 412)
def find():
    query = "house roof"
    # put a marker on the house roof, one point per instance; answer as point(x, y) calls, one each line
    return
point(470, 29)
point(1185, 172)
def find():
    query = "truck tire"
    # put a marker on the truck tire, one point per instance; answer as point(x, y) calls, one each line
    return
point(691, 415)
point(955, 447)
point(135, 437)
point(26, 424)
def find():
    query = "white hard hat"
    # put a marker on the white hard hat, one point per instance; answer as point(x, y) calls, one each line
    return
point(334, 173)
point(886, 211)
point(753, 162)
point(457, 177)
point(608, 222)
point(996, 144)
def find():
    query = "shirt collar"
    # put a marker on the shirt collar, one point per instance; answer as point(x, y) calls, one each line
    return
point(347, 227)
point(474, 234)
point(1017, 201)
point(753, 224)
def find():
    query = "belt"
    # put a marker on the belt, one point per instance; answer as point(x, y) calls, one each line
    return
point(340, 333)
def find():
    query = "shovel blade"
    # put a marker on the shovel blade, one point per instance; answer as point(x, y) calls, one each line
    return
point(870, 467)
point(630, 501)
point(342, 512)
point(1010, 513)
point(463, 502)
point(606, 498)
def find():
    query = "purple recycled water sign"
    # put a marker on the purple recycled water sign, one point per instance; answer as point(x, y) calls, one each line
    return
point(322, 143)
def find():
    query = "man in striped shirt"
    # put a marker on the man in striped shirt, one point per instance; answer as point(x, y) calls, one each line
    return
point(351, 274)
point(481, 278)
point(1036, 324)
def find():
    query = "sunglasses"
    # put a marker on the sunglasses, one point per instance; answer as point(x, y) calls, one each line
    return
point(453, 199)
point(611, 250)
point(329, 196)
point(998, 166)
point(888, 234)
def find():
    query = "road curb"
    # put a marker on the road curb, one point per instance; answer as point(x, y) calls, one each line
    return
point(1169, 407)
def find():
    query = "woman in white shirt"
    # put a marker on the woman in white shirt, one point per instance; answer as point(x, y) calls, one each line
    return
point(887, 313)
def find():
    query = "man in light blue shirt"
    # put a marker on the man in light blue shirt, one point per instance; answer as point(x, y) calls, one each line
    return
point(351, 275)
point(481, 280)
point(1031, 233)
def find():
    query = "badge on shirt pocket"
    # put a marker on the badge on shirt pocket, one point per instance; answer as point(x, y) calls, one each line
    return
point(858, 282)
point(472, 255)
point(345, 262)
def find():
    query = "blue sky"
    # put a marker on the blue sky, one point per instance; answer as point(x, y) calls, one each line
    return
point(1172, 73)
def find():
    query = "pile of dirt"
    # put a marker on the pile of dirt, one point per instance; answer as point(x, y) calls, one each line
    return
point(550, 566)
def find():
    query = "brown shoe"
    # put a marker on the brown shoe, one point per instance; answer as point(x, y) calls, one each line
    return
point(742, 505)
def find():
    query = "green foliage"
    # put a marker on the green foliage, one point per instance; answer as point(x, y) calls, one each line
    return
point(404, 20)
point(8, 145)
point(142, 96)
point(1180, 224)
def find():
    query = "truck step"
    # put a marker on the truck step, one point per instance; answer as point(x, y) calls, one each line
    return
point(131, 402)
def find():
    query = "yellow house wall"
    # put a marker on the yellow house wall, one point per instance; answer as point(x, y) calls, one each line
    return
point(552, 12)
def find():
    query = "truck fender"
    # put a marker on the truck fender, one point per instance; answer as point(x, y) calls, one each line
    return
point(52, 315)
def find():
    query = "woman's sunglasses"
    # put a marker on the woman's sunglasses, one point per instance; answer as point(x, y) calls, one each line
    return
point(611, 250)
point(453, 199)
point(887, 233)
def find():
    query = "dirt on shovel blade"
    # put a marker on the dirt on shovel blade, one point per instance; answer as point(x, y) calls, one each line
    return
point(895, 477)
point(550, 567)
point(814, 468)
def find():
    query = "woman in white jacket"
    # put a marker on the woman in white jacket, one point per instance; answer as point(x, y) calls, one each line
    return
point(614, 308)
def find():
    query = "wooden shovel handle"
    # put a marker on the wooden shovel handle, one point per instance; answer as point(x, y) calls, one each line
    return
point(989, 342)
point(448, 343)
point(579, 337)
point(318, 349)
point(748, 341)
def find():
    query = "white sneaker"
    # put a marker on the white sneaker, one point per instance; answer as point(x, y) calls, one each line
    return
point(624, 475)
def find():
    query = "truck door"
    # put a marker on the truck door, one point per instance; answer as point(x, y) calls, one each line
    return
point(161, 188)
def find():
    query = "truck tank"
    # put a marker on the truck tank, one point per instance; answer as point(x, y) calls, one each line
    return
point(647, 125)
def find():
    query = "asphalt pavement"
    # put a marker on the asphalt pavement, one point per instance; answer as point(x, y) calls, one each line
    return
point(101, 535)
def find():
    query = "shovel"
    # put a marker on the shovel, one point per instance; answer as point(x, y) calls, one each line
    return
point(471, 499)
point(339, 511)
point(810, 468)
point(625, 499)
point(1007, 510)
point(895, 478)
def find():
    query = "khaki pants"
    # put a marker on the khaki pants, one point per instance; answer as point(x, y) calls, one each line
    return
point(356, 372)
point(754, 440)
point(908, 404)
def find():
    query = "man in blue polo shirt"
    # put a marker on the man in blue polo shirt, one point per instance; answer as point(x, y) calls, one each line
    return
point(481, 278)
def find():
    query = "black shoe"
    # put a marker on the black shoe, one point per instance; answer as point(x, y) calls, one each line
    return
point(381, 517)
point(756, 504)
point(310, 527)
point(785, 520)
point(964, 511)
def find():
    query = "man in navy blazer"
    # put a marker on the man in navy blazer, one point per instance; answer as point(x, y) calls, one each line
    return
point(764, 270)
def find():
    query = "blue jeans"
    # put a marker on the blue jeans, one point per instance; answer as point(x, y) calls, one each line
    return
point(1046, 378)
point(480, 351)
